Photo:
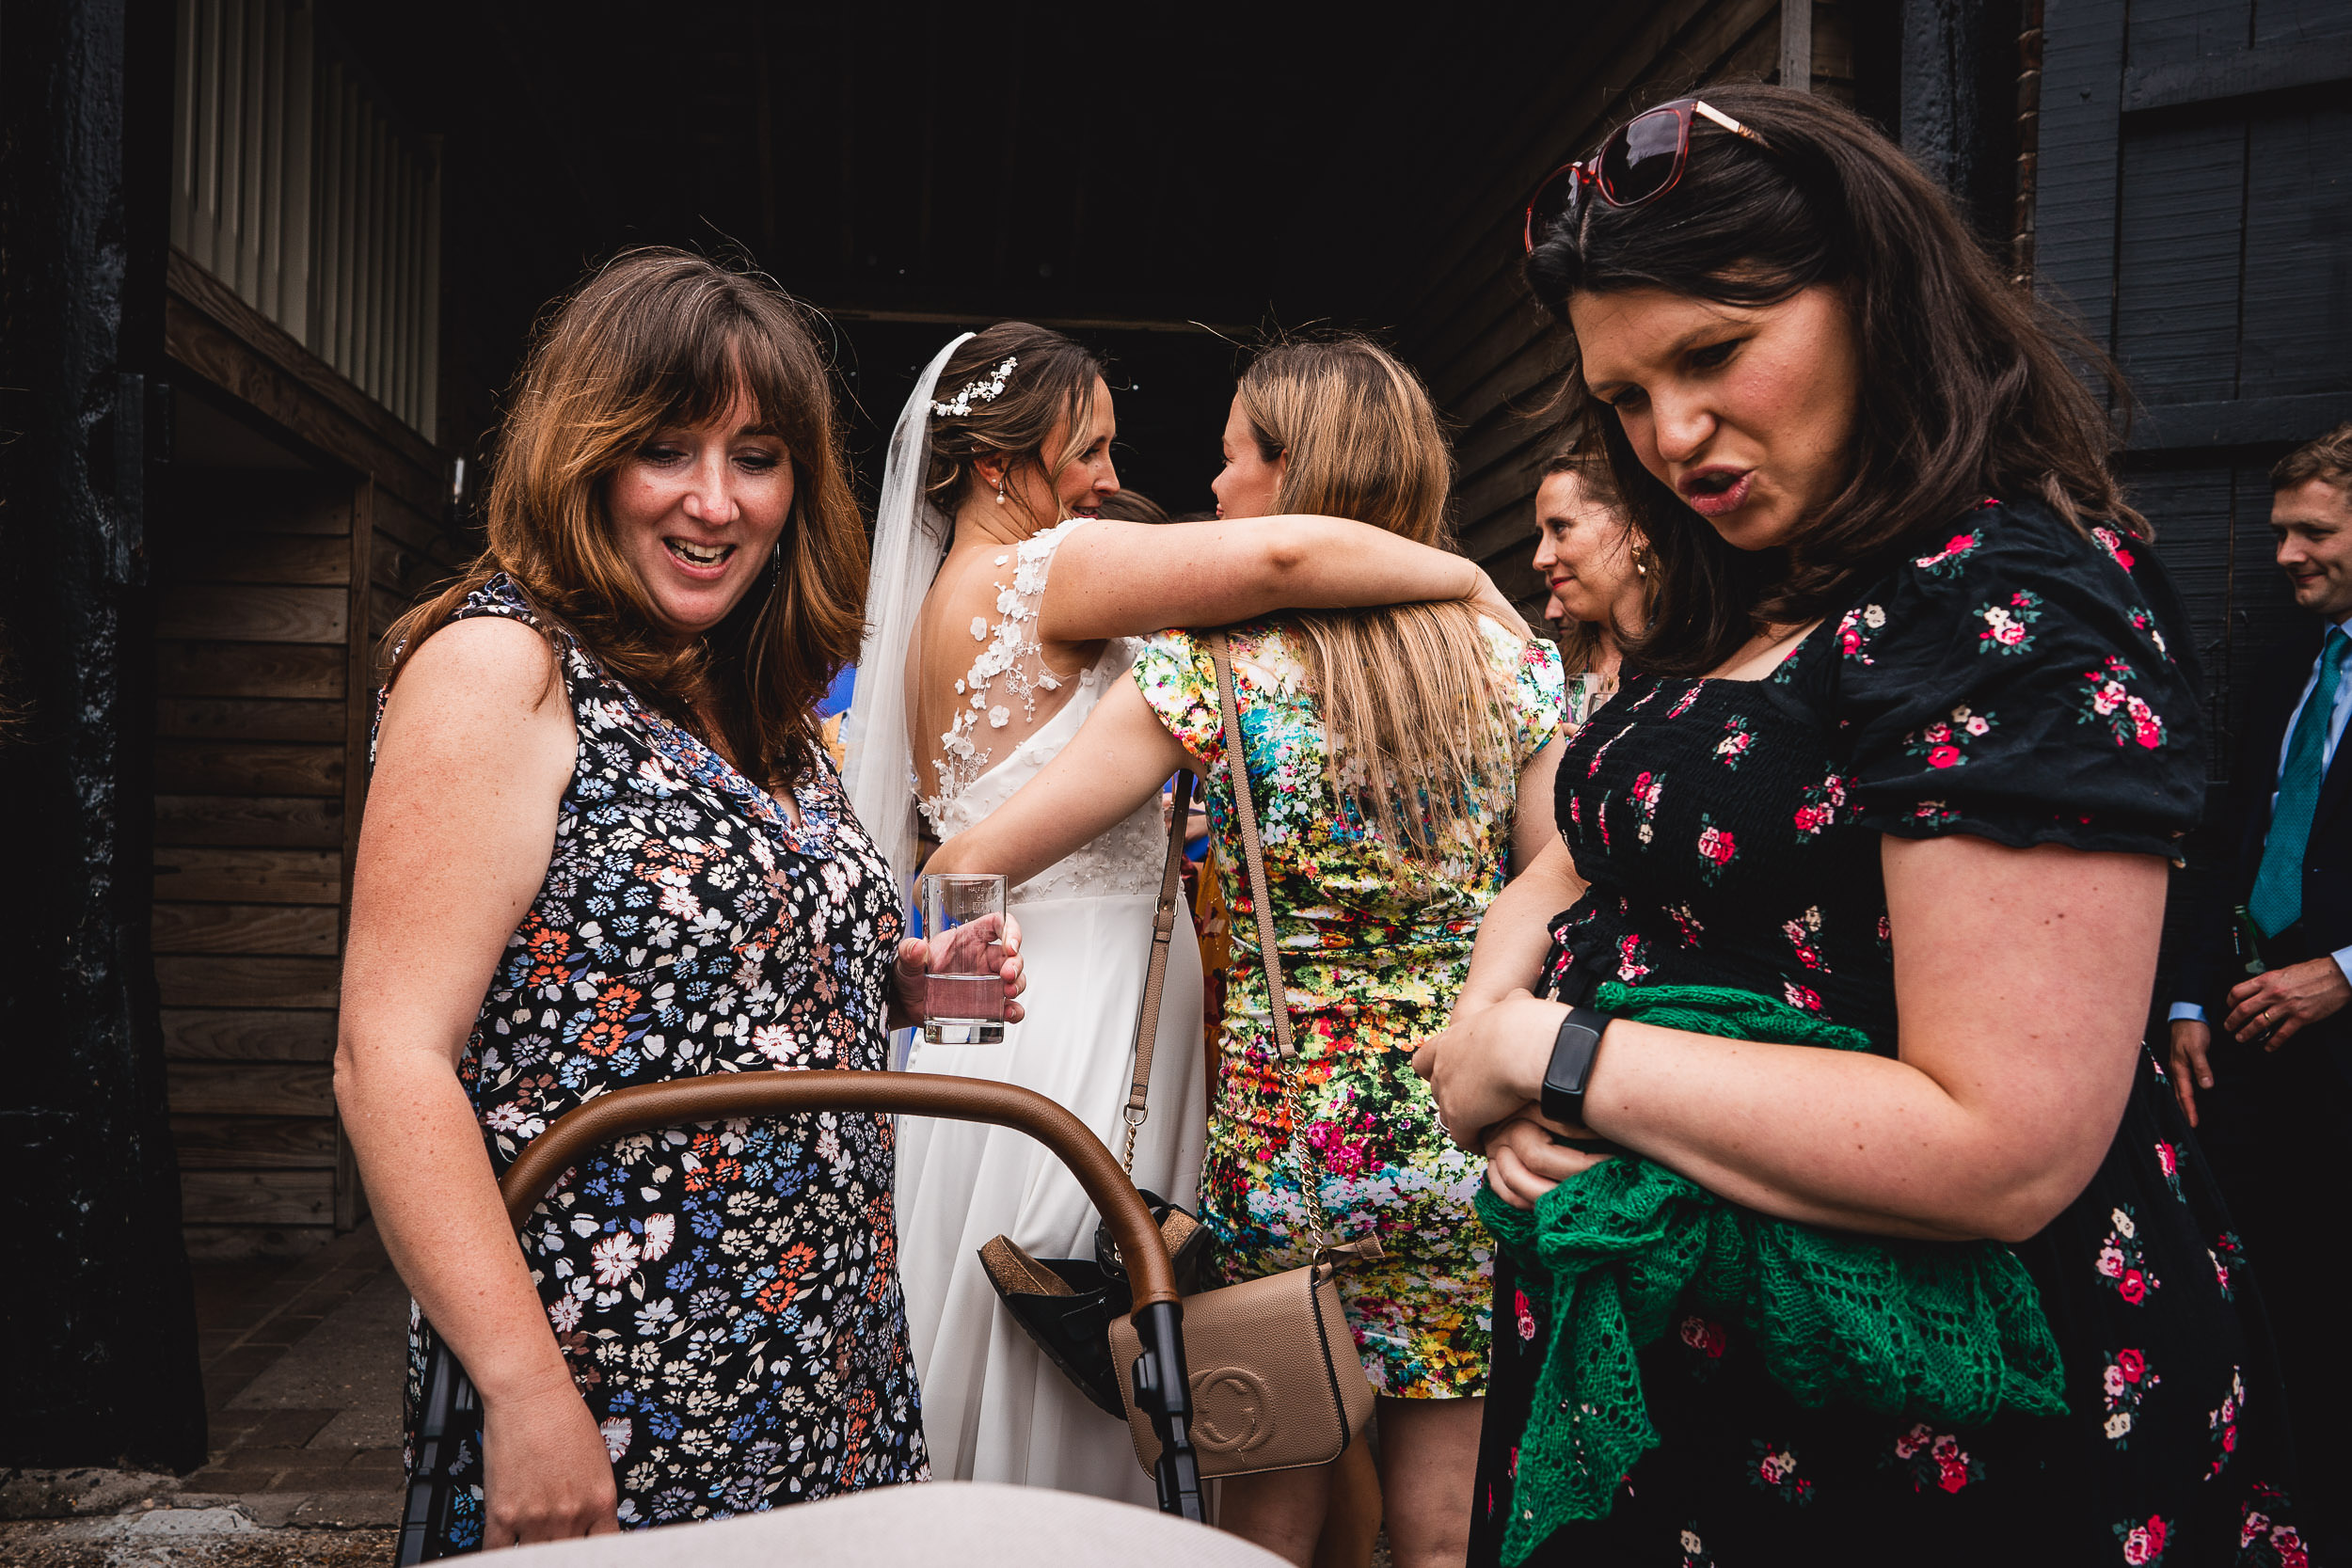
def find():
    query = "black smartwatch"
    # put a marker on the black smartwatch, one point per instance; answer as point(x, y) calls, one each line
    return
point(1571, 1067)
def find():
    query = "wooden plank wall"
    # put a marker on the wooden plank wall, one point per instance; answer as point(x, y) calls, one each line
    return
point(273, 587)
point(1491, 356)
point(254, 634)
point(273, 590)
point(2193, 199)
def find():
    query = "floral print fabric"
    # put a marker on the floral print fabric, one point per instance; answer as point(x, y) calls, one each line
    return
point(726, 1294)
point(2011, 681)
point(1372, 968)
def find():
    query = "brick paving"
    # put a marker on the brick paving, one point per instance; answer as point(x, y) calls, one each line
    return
point(302, 1365)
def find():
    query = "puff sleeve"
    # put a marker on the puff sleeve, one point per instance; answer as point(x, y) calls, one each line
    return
point(2016, 682)
point(1179, 679)
point(1539, 695)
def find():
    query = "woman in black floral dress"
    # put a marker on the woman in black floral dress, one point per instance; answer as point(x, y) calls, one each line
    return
point(603, 847)
point(1915, 738)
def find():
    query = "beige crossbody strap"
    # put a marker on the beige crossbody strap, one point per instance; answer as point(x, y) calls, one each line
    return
point(1261, 900)
point(1155, 973)
point(1303, 1162)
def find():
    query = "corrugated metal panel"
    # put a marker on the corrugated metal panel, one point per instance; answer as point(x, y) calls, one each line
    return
point(294, 188)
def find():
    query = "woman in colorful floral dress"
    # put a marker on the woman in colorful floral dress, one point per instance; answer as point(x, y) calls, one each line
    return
point(604, 846)
point(1376, 907)
point(1916, 735)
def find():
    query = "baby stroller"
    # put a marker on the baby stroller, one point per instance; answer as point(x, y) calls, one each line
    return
point(1161, 1382)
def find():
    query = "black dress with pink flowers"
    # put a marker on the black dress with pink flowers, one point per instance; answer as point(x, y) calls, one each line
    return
point(2014, 681)
point(725, 1294)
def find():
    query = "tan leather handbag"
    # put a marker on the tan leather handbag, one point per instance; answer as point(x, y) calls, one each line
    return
point(1276, 1380)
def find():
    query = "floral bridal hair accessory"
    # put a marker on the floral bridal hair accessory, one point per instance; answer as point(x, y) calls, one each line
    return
point(987, 388)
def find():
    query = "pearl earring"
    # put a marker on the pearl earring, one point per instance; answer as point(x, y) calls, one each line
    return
point(1000, 492)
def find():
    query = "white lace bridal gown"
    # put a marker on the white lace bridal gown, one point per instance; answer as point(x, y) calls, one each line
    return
point(994, 1408)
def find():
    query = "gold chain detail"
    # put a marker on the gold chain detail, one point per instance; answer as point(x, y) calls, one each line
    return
point(1303, 1163)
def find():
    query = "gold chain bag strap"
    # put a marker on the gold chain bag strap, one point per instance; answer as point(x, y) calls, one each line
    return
point(1276, 1383)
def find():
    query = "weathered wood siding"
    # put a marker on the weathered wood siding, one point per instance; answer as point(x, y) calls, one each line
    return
point(2193, 208)
point(273, 587)
point(272, 591)
point(254, 626)
point(1491, 356)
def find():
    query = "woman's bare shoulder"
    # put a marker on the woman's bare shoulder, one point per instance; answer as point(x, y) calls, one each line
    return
point(484, 678)
point(491, 656)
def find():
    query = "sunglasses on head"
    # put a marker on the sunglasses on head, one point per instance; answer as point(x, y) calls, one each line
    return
point(1641, 161)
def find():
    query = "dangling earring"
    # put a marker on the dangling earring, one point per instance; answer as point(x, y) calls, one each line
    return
point(1641, 560)
point(776, 565)
point(1000, 492)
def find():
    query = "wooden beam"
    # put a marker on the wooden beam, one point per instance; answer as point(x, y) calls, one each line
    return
point(232, 768)
point(2275, 422)
point(2240, 73)
point(251, 1088)
point(257, 1034)
point(211, 331)
point(208, 668)
point(1057, 324)
point(283, 1197)
point(249, 718)
point(284, 930)
point(278, 558)
point(1796, 44)
point(249, 877)
point(261, 822)
point(244, 1143)
point(243, 980)
point(254, 614)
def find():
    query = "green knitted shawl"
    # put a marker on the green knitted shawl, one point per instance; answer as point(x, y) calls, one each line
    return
point(1951, 1331)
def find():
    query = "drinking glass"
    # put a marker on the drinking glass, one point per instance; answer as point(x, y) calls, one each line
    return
point(963, 923)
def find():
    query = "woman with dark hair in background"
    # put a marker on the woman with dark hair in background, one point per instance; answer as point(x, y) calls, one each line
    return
point(1878, 1237)
point(1594, 562)
point(1400, 758)
point(603, 847)
point(1003, 605)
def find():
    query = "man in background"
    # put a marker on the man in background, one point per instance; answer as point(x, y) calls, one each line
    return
point(2261, 1036)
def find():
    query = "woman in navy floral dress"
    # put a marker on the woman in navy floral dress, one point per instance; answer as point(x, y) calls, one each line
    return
point(604, 846)
point(1916, 737)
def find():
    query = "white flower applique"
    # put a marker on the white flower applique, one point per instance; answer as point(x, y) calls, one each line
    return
point(1010, 659)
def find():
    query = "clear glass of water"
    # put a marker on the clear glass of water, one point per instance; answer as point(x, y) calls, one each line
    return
point(963, 923)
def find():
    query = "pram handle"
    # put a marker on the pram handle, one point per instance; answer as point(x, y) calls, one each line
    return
point(645, 1107)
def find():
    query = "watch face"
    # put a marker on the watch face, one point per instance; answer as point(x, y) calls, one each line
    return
point(1572, 1060)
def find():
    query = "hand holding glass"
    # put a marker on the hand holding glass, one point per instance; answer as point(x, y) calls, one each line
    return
point(964, 926)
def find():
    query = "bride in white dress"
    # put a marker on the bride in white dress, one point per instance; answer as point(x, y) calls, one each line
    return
point(999, 610)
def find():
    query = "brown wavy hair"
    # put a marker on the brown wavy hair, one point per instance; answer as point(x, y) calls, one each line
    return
point(1965, 388)
point(1419, 725)
point(1054, 380)
point(656, 340)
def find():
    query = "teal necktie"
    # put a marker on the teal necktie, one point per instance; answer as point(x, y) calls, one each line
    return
point(2278, 900)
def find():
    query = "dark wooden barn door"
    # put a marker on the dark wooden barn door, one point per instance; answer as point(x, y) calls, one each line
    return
point(2194, 206)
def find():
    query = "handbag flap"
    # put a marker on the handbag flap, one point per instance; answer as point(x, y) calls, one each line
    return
point(1277, 1381)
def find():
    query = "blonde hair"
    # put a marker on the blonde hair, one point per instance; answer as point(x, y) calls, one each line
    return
point(659, 338)
point(1420, 727)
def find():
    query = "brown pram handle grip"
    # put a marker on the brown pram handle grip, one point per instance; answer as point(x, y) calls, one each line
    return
point(646, 1107)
